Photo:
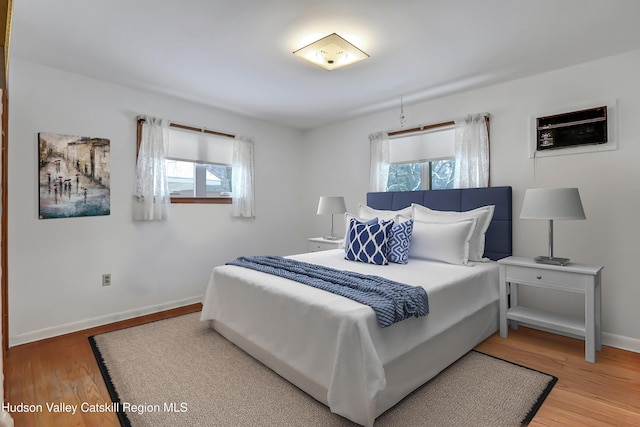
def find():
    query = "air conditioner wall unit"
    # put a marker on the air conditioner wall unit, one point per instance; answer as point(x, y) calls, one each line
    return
point(577, 128)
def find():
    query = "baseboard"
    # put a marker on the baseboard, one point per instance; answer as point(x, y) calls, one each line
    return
point(55, 331)
point(609, 339)
point(621, 342)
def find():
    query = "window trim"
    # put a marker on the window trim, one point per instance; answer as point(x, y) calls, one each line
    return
point(425, 175)
point(188, 200)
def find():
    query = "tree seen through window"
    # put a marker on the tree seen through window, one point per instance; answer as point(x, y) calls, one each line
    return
point(435, 175)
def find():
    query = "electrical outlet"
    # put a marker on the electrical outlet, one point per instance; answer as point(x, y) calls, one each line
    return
point(106, 280)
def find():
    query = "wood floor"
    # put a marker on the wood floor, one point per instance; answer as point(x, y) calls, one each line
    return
point(605, 393)
point(64, 370)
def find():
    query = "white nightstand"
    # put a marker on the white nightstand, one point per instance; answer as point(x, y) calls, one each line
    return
point(578, 278)
point(321, 244)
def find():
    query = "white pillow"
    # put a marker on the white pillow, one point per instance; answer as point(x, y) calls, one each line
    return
point(400, 219)
point(483, 215)
point(366, 212)
point(438, 241)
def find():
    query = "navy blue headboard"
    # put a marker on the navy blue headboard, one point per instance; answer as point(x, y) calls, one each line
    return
point(498, 237)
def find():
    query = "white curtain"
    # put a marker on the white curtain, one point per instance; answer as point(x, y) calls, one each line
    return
point(472, 152)
point(243, 178)
point(151, 200)
point(379, 173)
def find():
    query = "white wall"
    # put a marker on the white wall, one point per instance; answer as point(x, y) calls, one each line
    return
point(337, 160)
point(55, 265)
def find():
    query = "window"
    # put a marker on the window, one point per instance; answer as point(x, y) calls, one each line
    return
point(190, 179)
point(422, 160)
point(436, 175)
point(198, 165)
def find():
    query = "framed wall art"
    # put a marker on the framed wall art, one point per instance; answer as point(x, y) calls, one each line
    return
point(73, 176)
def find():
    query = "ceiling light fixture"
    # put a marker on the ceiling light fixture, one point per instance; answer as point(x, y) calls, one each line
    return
point(331, 52)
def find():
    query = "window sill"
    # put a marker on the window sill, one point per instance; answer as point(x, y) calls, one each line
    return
point(203, 200)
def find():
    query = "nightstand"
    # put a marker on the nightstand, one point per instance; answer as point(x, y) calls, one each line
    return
point(321, 244)
point(577, 278)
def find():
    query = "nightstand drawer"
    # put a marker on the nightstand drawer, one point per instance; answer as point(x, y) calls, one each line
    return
point(321, 246)
point(541, 277)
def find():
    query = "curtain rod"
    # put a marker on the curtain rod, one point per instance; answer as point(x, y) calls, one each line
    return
point(192, 128)
point(421, 128)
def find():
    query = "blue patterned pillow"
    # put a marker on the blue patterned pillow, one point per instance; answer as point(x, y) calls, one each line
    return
point(368, 242)
point(349, 217)
point(399, 242)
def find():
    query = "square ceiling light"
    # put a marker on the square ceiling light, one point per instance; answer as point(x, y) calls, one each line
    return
point(331, 52)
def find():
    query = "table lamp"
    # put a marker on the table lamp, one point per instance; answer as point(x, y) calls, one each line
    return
point(331, 205)
point(552, 204)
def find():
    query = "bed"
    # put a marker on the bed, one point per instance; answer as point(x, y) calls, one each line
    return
point(332, 347)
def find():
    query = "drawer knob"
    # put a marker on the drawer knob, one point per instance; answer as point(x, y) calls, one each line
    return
point(538, 277)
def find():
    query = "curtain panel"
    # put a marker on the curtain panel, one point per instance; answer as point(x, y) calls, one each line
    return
point(242, 184)
point(151, 200)
point(472, 152)
point(379, 173)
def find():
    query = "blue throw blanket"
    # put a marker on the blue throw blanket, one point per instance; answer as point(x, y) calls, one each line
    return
point(391, 301)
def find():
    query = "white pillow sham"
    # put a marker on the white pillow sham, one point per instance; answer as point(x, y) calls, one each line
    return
point(366, 212)
point(439, 241)
point(483, 215)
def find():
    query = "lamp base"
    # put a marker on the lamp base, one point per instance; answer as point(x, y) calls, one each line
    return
point(331, 238)
point(551, 260)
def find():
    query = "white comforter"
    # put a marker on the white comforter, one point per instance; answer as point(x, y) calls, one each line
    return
point(332, 347)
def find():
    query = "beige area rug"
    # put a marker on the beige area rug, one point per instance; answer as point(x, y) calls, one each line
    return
point(180, 372)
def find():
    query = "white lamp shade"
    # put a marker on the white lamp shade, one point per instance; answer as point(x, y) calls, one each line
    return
point(552, 203)
point(331, 205)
